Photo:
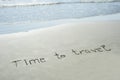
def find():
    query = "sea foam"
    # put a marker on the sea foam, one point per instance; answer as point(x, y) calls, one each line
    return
point(38, 3)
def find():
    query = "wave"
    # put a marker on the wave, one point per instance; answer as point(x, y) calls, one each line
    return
point(96, 1)
point(28, 4)
point(54, 3)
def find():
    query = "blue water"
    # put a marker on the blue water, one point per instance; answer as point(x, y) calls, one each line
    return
point(55, 12)
point(42, 13)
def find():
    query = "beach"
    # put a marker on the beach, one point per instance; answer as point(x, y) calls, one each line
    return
point(60, 47)
point(63, 52)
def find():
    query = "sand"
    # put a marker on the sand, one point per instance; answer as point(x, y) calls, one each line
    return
point(87, 50)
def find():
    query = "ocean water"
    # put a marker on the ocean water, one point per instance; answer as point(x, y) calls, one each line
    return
point(23, 11)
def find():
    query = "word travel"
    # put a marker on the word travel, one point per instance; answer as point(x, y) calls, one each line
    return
point(102, 48)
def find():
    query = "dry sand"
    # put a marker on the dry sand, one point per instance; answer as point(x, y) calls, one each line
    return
point(75, 51)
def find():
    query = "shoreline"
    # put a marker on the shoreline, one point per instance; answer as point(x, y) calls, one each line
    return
point(19, 27)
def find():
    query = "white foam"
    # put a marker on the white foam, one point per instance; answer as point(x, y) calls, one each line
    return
point(28, 4)
point(37, 3)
